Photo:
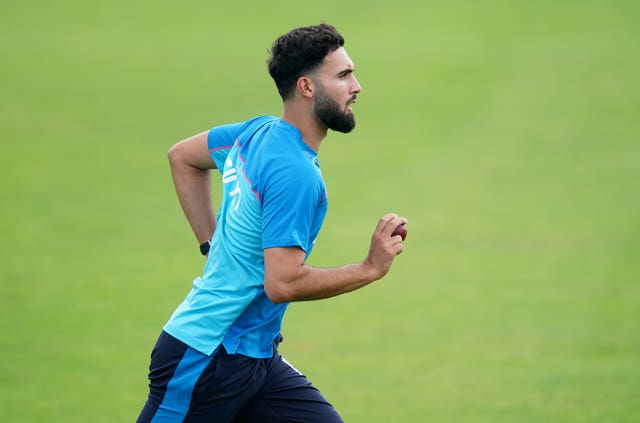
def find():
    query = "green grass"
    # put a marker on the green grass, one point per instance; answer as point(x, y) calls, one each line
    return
point(507, 133)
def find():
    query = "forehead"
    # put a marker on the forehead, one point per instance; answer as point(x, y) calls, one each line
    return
point(336, 61)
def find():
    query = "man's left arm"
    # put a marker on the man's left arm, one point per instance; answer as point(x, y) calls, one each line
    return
point(191, 166)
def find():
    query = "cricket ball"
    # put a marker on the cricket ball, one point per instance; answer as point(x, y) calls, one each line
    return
point(401, 230)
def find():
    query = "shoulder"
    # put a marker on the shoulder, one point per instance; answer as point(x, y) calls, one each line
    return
point(250, 127)
point(231, 131)
point(277, 160)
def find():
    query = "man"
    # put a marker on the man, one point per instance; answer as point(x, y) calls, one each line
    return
point(216, 359)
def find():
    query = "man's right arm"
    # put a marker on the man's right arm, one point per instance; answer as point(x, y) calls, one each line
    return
point(191, 166)
point(288, 278)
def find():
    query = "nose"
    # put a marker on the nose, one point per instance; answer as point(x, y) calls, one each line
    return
point(356, 86)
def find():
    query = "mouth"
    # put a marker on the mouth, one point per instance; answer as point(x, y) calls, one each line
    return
point(349, 103)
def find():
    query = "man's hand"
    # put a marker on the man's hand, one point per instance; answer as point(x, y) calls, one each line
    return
point(384, 247)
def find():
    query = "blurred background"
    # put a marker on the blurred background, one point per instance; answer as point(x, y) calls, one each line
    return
point(506, 131)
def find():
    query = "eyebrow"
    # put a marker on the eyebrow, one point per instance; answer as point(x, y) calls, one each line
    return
point(346, 72)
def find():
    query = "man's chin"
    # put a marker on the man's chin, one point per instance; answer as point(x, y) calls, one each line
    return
point(340, 123)
point(344, 129)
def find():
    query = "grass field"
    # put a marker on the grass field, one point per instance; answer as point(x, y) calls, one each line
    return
point(507, 132)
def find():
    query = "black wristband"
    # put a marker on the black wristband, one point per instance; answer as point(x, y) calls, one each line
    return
point(204, 247)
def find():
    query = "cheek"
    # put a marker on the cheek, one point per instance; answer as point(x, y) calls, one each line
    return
point(346, 83)
point(338, 87)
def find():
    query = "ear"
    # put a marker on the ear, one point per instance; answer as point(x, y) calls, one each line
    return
point(305, 86)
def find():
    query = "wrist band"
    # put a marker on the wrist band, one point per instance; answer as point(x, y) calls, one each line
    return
point(204, 247)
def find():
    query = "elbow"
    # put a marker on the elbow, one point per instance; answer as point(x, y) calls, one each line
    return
point(277, 292)
point(173, 154)
point(179, 158)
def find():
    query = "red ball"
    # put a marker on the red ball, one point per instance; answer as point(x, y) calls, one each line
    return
point(401, 230)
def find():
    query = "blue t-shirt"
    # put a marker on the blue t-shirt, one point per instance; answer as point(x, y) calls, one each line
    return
point(273, 196)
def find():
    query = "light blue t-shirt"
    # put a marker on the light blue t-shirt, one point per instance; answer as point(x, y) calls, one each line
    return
point(273, 196)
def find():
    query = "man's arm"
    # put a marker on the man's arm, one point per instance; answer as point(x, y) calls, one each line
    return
point(191, 166)
point(288, 279)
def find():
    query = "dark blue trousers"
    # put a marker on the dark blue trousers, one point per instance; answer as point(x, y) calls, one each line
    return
point(188, 386)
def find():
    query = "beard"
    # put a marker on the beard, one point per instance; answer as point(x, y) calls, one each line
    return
point(328, 111)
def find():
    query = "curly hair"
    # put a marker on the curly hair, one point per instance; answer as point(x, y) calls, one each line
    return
point(300, 51)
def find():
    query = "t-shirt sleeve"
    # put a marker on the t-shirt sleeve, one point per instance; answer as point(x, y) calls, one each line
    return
point(290, 204)
point(220, 140)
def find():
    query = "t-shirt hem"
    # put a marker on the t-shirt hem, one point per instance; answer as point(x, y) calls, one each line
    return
point(205, 349)
point(283, 244)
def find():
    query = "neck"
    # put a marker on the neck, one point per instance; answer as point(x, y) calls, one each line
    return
point(301, 116)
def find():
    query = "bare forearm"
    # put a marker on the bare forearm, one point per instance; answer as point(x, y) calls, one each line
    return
point(193, 187)
point(313, 283)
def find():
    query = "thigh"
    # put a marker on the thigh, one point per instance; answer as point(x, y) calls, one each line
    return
point(165, 359)
point(288, 396)
point(225, 386)
point(188, 386)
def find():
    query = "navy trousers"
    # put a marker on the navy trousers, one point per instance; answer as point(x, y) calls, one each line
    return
point(188, 386)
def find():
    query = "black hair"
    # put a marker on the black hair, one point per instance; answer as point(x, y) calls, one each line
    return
point(300, 51)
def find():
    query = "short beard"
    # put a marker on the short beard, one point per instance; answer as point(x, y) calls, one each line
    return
point(327, 110)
